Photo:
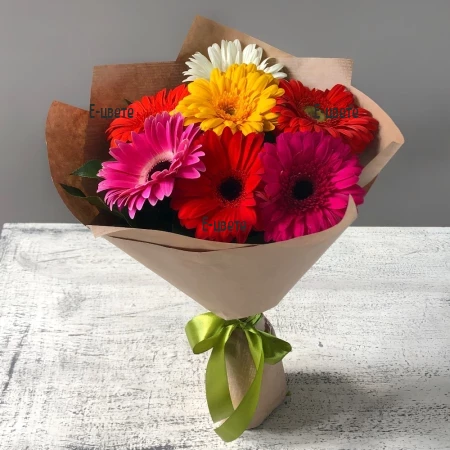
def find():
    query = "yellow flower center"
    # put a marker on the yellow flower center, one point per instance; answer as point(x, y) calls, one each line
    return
point(232, 109)
point(227, 105)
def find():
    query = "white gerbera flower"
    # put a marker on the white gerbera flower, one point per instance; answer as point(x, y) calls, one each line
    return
point(228, 53)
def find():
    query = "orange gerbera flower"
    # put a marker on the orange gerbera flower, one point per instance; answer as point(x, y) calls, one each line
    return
point(163, 101)
point(333, 111)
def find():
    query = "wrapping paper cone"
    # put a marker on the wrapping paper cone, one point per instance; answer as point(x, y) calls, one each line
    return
point(231, 282)
point(241, 371)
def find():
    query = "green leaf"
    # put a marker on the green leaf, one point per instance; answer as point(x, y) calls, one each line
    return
point(128, 102)
point(73, 191)
point(124, 217)
point(96, 201)
point(92, 199)
point(89, 170)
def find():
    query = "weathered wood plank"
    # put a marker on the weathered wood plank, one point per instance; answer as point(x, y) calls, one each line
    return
point(93, 354)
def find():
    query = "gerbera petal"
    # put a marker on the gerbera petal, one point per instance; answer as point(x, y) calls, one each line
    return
point(338, 201)
point(140, 203)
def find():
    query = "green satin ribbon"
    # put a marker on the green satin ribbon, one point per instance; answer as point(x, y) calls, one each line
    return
point(208, 331)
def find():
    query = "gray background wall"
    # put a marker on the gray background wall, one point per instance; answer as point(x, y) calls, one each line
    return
point(401, 50)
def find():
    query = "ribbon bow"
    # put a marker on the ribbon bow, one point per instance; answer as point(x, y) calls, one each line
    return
point(208, 331)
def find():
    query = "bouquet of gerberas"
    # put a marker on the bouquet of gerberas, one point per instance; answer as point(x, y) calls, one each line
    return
point(229, 178)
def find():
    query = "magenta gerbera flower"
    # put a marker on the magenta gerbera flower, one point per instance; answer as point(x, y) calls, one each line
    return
point(308, 178)
point(146, 168)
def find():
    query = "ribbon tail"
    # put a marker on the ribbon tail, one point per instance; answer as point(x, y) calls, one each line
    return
point(240, 419)
point(275, 349)
point(216, 380)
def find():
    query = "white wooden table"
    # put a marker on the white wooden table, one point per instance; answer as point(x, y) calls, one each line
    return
point(93, 353)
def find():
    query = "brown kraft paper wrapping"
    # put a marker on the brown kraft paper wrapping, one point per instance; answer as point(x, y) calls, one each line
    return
point(241, 371)
point(231, 280)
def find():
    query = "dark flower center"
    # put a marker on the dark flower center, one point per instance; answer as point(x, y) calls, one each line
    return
point(162, 165)
point(315, 113)
point(230, 110)
point(302, 189)
point(230, 189)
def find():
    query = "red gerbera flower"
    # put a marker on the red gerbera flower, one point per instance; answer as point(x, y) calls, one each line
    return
point(163, 101)
point(333, 111)
point(220, 205)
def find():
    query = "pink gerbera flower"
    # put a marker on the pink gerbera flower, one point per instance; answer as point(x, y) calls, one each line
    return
point(308, 178)
point(146, 168)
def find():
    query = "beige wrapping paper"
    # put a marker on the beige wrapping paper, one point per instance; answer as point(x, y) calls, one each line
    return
point(234, 282)
point(231, 280)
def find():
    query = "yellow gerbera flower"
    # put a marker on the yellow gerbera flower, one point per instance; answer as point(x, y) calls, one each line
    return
point(241, 98)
